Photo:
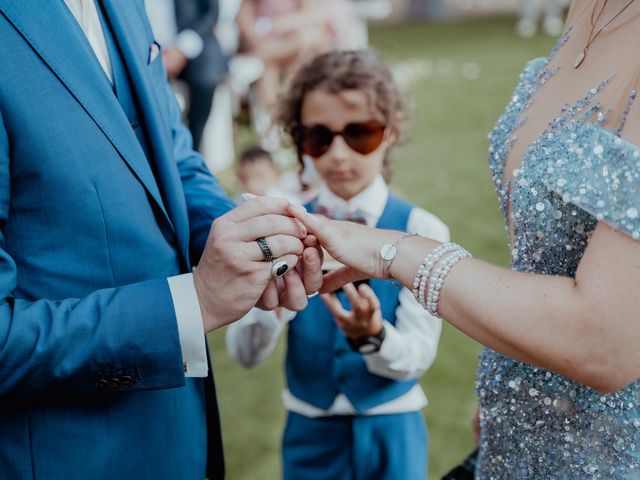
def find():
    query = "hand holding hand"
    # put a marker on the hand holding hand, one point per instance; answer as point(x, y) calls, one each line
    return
point(232, 274)
point(291, 291)
point(365, 317)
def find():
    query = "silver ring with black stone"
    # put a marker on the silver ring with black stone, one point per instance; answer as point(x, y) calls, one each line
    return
point(279, 268)
point(266, 251)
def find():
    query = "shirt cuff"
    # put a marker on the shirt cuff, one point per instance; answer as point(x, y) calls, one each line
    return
point(190, 326)
point(392, 347)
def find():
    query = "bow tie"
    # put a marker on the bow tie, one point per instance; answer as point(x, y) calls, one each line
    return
point(339, 213)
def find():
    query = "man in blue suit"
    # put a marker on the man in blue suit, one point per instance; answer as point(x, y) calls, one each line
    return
point(104, 209)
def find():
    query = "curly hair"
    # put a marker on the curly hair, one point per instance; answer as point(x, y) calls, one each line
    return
point(336, 71)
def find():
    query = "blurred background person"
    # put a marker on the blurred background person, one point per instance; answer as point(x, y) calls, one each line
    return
point(190, 52)
point(257, 174)
point(284, 33)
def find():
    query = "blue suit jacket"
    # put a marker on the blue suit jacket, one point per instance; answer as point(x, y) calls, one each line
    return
point(91, 379)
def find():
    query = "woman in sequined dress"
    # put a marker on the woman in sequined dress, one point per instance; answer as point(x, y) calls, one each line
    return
point(557, 382)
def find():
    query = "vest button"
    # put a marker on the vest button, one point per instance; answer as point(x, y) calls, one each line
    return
point(126, 381)
point(340, 351)
point(342, 379)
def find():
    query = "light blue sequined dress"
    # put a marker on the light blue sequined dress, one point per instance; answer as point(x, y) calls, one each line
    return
point(538, 424)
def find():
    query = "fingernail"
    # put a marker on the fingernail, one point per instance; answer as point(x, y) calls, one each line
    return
point(248, 196)
point(300, 210)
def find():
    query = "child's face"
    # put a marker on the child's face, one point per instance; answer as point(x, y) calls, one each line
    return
point(345, 171)
point(257, 177)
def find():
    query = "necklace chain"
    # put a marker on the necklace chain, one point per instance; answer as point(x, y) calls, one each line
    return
point(583, 54)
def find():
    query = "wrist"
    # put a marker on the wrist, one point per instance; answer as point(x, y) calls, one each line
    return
point(368, 344)
point(209, 321)
point(380, 264)
point(375, 329)
point(407, 261)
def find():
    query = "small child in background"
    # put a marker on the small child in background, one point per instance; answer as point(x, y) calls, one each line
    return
point(258, 174)
point(353, 363)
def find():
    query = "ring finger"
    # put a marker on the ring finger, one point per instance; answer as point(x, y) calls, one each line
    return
point(278, 245)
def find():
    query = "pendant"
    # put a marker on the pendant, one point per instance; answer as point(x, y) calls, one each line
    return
point(580, 58)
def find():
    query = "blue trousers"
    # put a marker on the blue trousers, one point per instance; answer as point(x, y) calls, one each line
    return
point(376, 447)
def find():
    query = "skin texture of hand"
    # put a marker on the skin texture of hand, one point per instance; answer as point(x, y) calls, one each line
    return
point(291, 291)
point(365, 317)
point(174, 61)
point(354, 245)
point(232, 274)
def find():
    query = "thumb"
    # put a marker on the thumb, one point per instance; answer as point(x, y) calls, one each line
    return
point(336, 279)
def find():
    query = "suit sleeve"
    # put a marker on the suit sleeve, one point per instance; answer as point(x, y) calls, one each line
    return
point(114, 339)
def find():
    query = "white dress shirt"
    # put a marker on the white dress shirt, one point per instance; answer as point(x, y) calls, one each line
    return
point(86, 14)
point(409, 347)
point(183, 293)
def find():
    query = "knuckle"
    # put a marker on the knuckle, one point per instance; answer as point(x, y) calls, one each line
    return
point(238, 263)
point(299, 304)
point(271, 222)
point(255, 273)
point(296, 246)
point(270, 302)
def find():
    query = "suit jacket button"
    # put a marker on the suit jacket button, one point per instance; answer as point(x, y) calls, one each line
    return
point(126, 381)
point(114, 383)
point(101, 384)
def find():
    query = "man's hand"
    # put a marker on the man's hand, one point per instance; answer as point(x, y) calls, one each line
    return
point(365, 317)
point(232, 274)
point(174, 61)
point(291, 292)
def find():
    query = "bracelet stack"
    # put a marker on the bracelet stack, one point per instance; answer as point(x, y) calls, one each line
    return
point(432, 272)
point(420, 282)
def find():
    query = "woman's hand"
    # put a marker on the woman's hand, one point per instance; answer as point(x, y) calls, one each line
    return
point(358, 247)
point(354, 245)
point(365, 317)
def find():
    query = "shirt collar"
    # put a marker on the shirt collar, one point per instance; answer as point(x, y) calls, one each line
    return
point(371, 201)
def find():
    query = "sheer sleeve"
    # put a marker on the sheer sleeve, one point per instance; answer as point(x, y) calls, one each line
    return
point(599, 172)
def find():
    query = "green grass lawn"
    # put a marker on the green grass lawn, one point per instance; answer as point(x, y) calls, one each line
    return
point(443, 168)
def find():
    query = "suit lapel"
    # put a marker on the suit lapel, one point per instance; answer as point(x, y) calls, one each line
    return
point(57, 38)
point(158, 133)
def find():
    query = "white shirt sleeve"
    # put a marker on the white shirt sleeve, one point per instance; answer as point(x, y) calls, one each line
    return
point(190, 326)
point(410, 346)
point(252, 338)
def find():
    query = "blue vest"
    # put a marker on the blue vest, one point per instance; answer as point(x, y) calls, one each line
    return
point(122, 85)
point(320, 364)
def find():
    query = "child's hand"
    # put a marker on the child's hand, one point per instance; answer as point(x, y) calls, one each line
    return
point(365, 317)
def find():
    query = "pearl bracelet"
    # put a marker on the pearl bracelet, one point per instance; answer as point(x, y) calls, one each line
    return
point(437, 280)
point(420, 281)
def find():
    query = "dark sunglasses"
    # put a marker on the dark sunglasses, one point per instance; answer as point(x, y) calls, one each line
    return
point(363, 137)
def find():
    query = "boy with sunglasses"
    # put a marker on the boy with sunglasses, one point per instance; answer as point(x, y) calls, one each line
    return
point(353, 358)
